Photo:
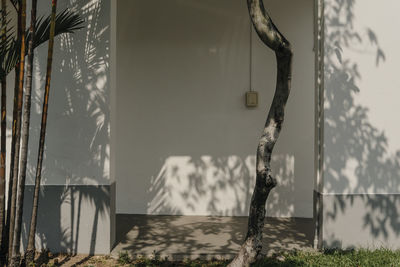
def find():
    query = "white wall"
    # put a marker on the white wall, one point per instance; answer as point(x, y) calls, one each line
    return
point(74, 212)
point(185, 142)
point(361, 129)
point(78, 132)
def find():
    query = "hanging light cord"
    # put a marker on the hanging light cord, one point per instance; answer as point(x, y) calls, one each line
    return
point(251, 57)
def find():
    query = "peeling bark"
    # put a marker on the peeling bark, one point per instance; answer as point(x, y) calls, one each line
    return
point(271, 37)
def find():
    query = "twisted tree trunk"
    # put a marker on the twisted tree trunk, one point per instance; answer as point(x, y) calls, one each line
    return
point(271, 36)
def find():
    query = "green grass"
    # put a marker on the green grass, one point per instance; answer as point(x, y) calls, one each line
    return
point(328, 258)
point(337, 258)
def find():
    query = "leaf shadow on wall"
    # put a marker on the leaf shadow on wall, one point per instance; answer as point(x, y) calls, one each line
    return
point(221, 187)
point(186, 141)
point(76, 163)
point(357, 148)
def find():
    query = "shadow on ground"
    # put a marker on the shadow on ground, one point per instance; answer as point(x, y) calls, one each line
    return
point(192, 237)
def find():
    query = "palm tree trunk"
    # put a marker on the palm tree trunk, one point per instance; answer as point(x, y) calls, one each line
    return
point(15, 254)
point(32, 229)
point(25, 123)
point(3, 139)
point(13, 183)
point(271, 36)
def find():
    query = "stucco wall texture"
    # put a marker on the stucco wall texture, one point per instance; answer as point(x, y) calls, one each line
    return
point(185, 142)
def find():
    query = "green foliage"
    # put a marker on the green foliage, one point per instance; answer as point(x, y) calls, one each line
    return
point(123, 258)
point(335, 258)
point(327, 258)
point(66, 22)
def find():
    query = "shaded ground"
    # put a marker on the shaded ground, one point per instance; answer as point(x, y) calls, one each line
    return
point(327, 258)
point(107, 261)
point(202, 237)
point(144, 240)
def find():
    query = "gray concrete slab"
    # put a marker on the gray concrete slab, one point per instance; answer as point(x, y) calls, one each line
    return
point(192, 237)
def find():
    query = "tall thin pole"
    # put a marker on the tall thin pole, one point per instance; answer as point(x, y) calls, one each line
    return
point(32, 230)
point(25, 124)
point(30, 252)
point(13, 181)
point(15, 255)
point(3, 138)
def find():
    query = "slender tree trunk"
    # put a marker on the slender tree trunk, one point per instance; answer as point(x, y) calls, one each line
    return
point(30, 251)
point(25, 129)
point(3, 140)
point(32, 229)
point(15, 254)
point(271, 36)
point(13, 183)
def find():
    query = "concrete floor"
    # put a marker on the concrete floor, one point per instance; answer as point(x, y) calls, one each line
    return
point(192, 237)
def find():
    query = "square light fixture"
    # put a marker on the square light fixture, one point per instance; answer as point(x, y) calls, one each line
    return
point(251, 99)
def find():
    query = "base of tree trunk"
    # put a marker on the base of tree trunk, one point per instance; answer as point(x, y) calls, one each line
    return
point(15, 261)
point(246, 255)
point(2, 258)
point(29, 257)
point(251, 248)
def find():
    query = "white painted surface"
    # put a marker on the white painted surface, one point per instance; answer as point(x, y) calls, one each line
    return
point(361, 221)
point(185, 143)
point(78, 128)
point(74, 219)
point(362, 145)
